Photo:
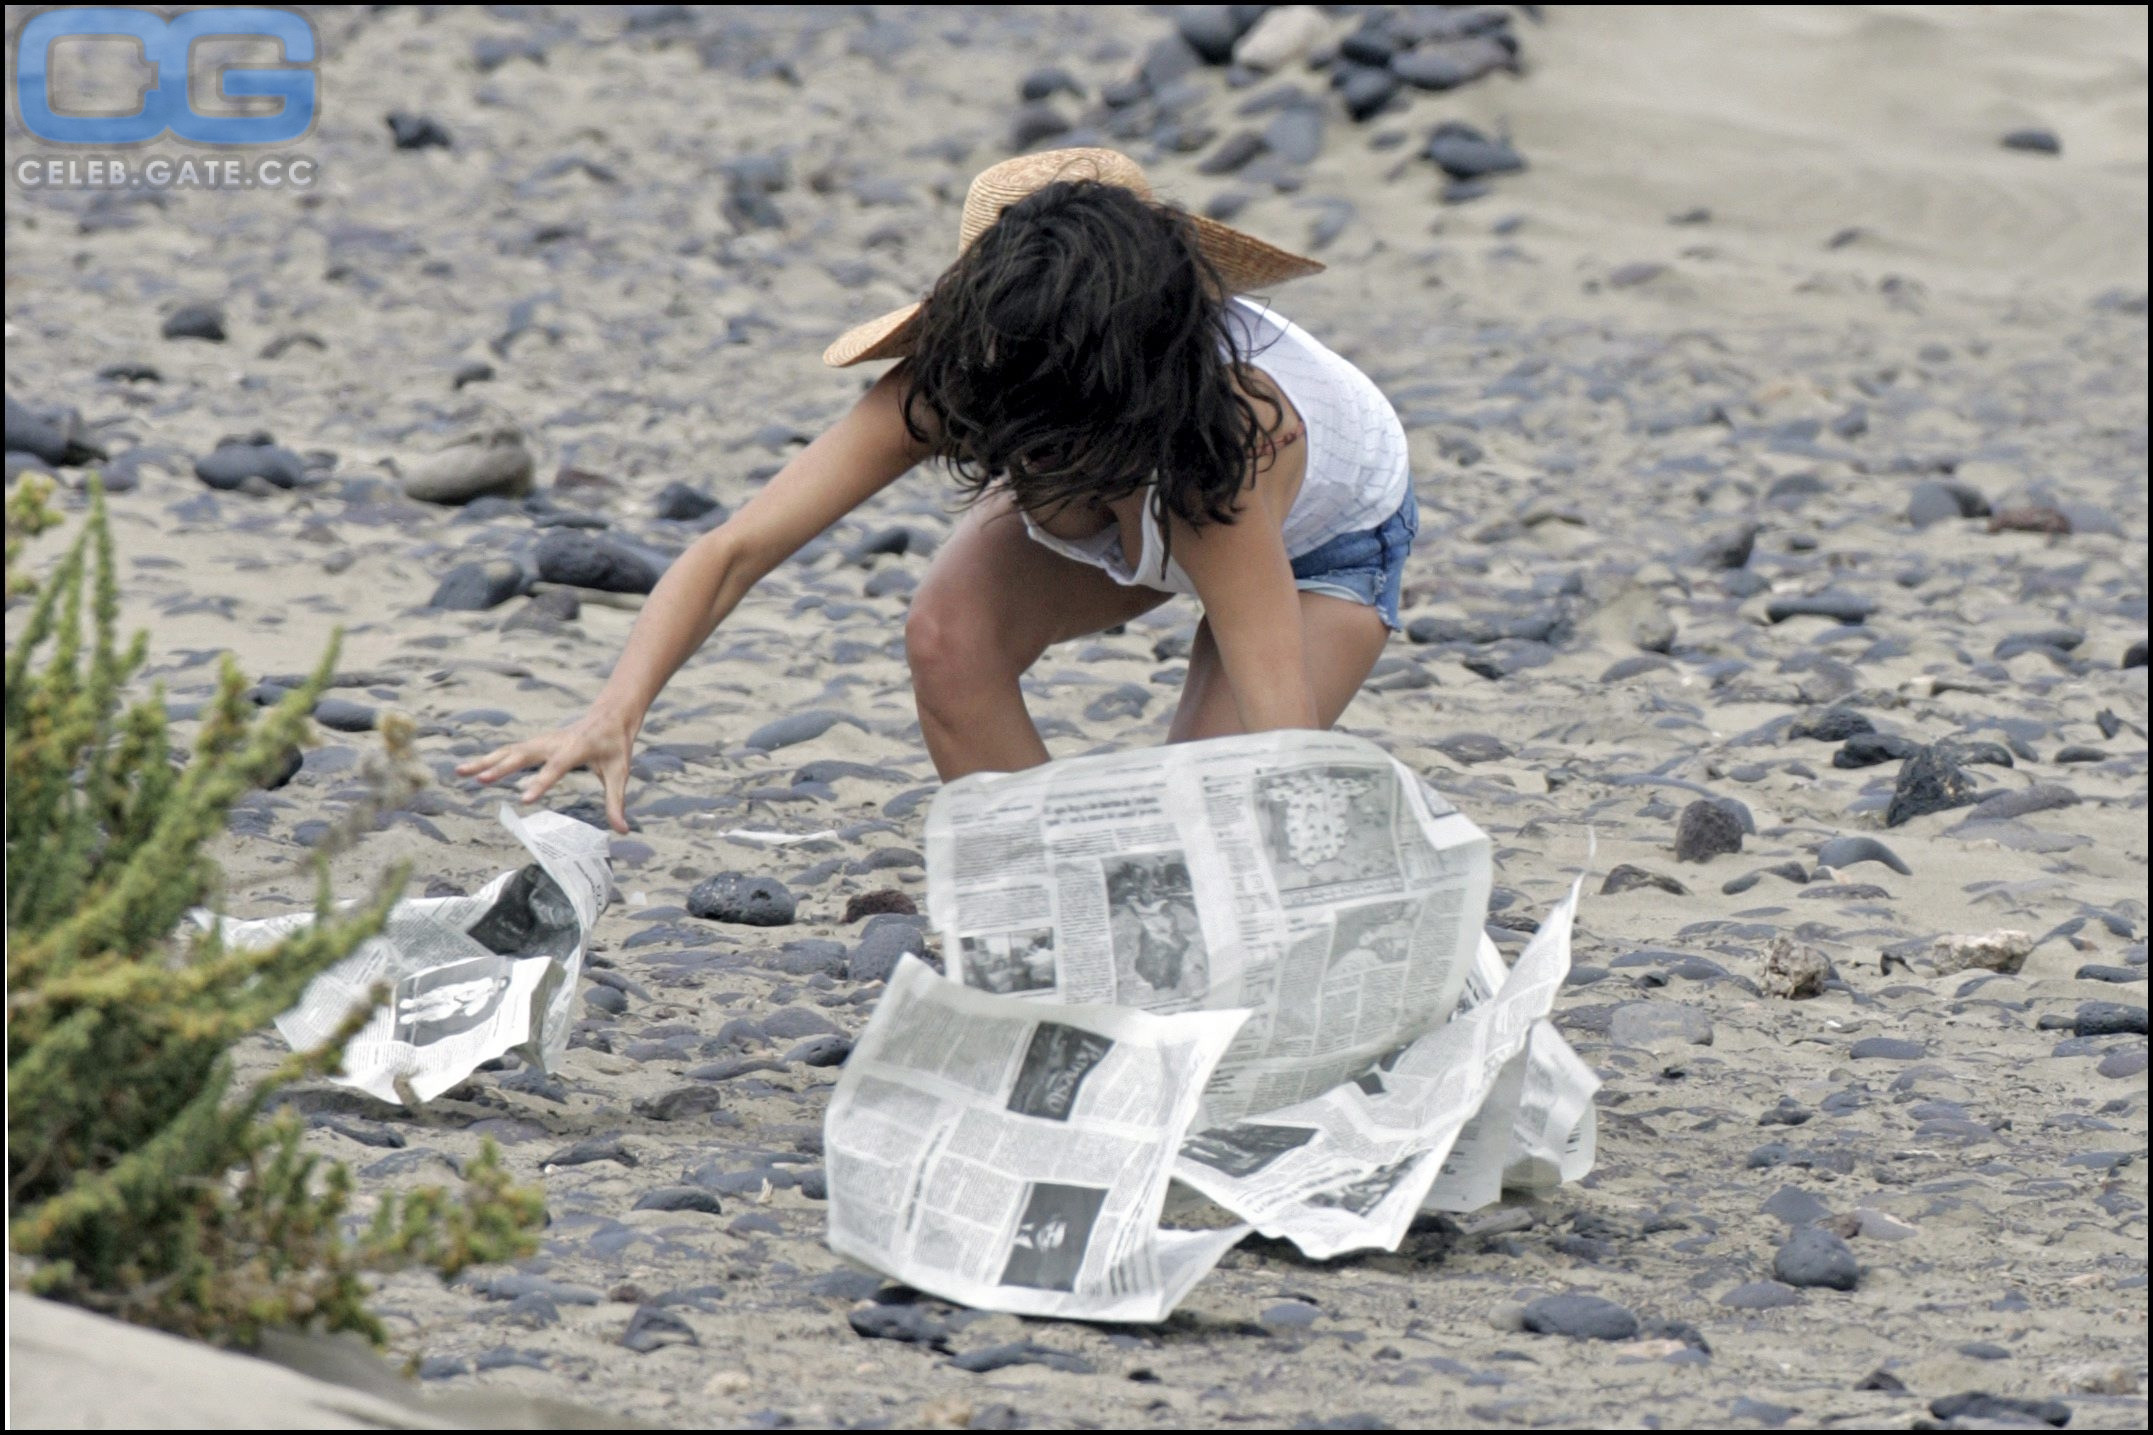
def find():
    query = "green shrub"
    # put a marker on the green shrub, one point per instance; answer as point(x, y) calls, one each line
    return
point(140, 1182)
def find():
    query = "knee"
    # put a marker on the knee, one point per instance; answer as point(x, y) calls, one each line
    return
point(948, 647)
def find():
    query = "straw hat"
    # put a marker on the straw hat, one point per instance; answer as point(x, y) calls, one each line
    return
point(1242, 260)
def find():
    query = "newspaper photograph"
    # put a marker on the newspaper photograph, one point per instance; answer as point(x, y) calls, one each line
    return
point(1003, 1154)
point(1306, 877)
point(470, 978)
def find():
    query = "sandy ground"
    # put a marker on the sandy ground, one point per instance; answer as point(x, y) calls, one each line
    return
point(1880, 296)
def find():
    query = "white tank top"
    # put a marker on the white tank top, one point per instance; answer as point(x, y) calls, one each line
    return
point(1356, 472)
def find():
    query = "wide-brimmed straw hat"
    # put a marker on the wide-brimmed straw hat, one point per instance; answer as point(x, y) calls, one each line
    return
point(1243, 261)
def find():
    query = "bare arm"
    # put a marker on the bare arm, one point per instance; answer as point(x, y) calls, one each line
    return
point(1246, 583)
point(856, 458)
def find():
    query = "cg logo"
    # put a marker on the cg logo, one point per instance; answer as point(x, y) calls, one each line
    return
point(165, 104)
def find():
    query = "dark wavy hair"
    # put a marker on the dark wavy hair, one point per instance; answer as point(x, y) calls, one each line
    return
point(1074, 352)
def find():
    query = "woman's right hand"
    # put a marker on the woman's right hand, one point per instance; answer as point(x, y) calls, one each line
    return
point(595, 741)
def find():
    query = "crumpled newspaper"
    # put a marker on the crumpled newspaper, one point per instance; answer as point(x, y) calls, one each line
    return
point(470, 978)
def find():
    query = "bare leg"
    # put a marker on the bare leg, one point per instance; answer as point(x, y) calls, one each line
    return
point(1340, 642)
point(991, 603)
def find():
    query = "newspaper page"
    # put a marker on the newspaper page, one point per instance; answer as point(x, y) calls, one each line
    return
point(1350, 1169)
point(1307, 877)
point(992, 1151)
point(470, 978)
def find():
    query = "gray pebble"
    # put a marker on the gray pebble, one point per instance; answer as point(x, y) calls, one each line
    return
point(680, 1198)
point(885, 939)
point(1844, 852)
point(1886, 1048)
point(1761, 1295)
point(738, 897)
point(2109, 1019)
point(1581, 1317)
point(1706, 829)
point(196, 321)
point(1931, 781)
point(475, 587)
point(1814, 1257)
point(794, 728)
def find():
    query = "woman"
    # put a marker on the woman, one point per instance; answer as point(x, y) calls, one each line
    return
point(1128, 428)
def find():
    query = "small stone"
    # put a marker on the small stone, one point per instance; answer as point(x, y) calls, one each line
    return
point(2109, 1019)
point(581, 559)
point(591, 1149)
point(1931, 781)
point(680, 1198)
point(344, 715)
point(1761, 1295)
point(1580, 1317)
point(1626, 878)
point(1732, 549)
point(794, 728)
point(885, 941)
point(1764, 1412)
point(680, 503)
point(2005, 1410)
point(1831, 725)
point(869, 904)
point(1366, 89)
point(2003, 950)
point(1210, 30)
point(1283, 35)
point(1843, 607)
point(491, 461)
point(827, 1050)
point(1873, 1225)
point(1843, 852)
point(234, 461)
point(910, 1324)
point(1034, 122)
point(2041, 797)
point(1705, 830)
point(1233, 152)
point(409, 131)
point(1815, 1257)
point(2135, 655)
point(1048, 81)
point(2030, 520)
point(1796, 1207)
point(2123, 1065)
point(682, 1103)
point(196, 321)
point(2033, 141)
point(1872, 749)
point(1793, 971)
point(1886, 1048)
point(1468, 748)
point(1463, 152)
point(738, 897)
point(475, 587)
point(651, 1329)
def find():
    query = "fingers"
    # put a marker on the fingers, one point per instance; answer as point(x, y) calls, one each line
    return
point(556, 766)
point(615, 777)
point(499, 763)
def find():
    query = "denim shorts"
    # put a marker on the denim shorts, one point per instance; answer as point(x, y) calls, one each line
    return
point(1366, 567)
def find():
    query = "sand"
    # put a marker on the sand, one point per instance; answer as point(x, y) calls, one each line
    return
point(1881, 296)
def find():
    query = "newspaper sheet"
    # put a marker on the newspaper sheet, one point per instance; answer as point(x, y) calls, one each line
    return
point(470, 978)
point(1352, 1168)
point(1306, 877)
point(1016, 1157)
